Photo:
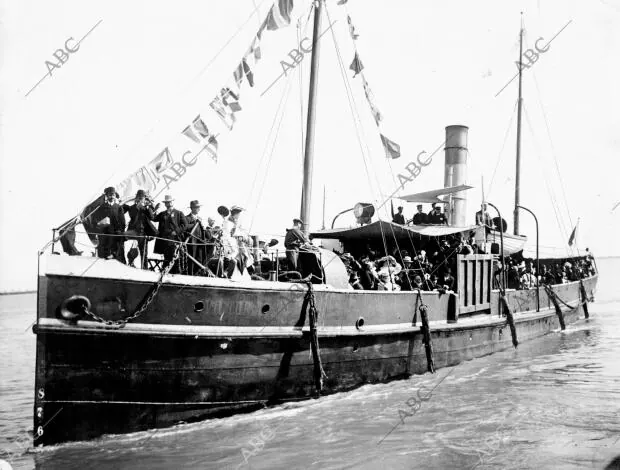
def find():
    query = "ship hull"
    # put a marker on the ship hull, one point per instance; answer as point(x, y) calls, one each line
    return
point(93, 378)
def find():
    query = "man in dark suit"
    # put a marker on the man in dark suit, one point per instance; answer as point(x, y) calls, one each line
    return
point(294, 240)
point(420, 218)
point(109, 219)
point(141, 215)
point(172, 225)
point(197, 233)
point(398, 218)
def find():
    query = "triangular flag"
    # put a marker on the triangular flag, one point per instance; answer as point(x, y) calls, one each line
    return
point(280, 15)
point(573, 235)
point(371, 102)
point(354, 35)
point(243, 71)
point(392, 149)
point(356, 65)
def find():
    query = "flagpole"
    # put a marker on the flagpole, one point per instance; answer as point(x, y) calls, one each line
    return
point(306, 192)
point(518, 169)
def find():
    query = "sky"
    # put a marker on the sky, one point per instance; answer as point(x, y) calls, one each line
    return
point(148, 68)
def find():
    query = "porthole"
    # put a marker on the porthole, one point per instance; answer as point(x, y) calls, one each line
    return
point(359, 323)
point(199, 306)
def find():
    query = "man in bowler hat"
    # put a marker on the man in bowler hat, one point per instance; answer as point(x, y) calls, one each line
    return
point(172, 225)
point(110, 224)
point(141, 214)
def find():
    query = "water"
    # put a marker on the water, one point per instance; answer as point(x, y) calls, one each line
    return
point(553, 403)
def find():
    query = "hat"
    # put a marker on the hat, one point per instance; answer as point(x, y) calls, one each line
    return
point(236, 209)
point(110, 191)
point(223, 211)
point(273, 242)
point(400, 207)
point(419, 206)
point(193, 204)
point(140, 193)
point(407, 259)
point(298, 221)
point(168, 198)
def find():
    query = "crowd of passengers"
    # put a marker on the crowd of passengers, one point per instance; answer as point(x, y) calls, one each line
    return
point(220, 249)
point(434, 270)
point(521, 273)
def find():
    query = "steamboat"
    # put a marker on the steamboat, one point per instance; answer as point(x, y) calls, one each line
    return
point(121, 349)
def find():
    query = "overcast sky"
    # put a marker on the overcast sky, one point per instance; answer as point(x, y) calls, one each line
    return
point(148, 68)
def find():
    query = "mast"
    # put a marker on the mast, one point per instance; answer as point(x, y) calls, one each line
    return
point(518, 169)
point(306, 191)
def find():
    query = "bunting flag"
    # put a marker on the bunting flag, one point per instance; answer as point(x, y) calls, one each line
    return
point(279, 16)
point(356, 65)
point(354, 35)
point(370, 97)
point(226, 104)
point(255, 48)
point(573, 235)
point(392, 149)
point(243, 71)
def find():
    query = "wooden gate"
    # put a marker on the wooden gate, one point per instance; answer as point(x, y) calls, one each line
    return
point(474, 273)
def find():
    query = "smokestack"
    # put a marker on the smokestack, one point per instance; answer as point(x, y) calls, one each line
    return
point(456, 173)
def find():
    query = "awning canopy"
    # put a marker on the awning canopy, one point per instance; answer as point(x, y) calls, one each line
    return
point(381, 228)
point(433, 195)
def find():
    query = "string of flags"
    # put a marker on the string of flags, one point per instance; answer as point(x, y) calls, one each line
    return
point(392, 149)
point(161, 171)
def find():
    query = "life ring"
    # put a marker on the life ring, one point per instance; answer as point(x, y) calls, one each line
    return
point(73, 307)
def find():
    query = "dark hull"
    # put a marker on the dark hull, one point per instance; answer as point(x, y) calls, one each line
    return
point(92, 379)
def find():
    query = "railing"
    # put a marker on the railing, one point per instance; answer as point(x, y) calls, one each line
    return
point(156, 264)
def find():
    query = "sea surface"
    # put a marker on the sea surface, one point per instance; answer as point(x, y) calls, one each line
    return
point(552, 403)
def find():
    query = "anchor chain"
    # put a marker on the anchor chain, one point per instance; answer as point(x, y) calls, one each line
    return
point(145, 303)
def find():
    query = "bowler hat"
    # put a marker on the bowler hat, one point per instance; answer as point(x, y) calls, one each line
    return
point(223, 211)
point(298, 221)
point(168, 198)
point(236, 209)
point(140, 193)
point(109, 191)
point(195, 203)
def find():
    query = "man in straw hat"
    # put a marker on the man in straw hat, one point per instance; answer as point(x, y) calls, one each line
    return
point(110, 224)
point(172, 225)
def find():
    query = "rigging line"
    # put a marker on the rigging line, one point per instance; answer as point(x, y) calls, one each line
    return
point(301, 89)
point(501, 152)
point(275, 118)
point(554, 204)
point(357, 124)
point(262, 187)
point(124, 162)
point(354, 112)
point(553, 152)
point(348, 92)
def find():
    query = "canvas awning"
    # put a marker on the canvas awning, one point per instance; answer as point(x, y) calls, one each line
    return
point(433, 195)
point(382, 228)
